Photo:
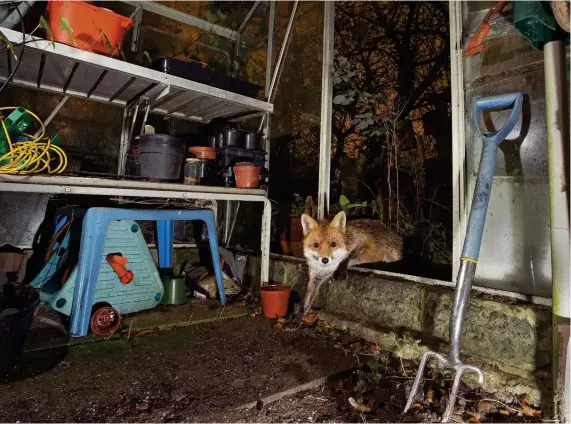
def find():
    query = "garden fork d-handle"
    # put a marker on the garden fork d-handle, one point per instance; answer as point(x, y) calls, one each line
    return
point(498, 102)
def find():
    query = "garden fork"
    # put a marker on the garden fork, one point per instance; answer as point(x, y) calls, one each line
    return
point(471, 249)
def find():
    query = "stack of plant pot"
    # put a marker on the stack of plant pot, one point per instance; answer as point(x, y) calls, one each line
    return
point(291, 239)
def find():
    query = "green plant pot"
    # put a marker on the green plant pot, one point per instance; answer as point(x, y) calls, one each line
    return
point(175, 291)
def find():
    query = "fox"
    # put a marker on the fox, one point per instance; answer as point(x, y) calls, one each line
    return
point(331, 247)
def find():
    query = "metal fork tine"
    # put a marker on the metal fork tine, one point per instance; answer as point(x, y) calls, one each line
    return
point(418, 379)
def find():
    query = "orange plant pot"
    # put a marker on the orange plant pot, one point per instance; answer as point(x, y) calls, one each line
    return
point(203, 152)
point(275, 300)
point(247, 175)
point(88, 22)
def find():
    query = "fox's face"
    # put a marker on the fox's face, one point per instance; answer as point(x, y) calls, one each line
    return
point(325, 244)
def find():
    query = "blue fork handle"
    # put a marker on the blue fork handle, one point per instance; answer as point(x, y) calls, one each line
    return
point(498, 102)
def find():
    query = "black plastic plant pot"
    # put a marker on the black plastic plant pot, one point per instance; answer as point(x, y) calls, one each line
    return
point(17, 306)
point(232, 138)
point(160, 156)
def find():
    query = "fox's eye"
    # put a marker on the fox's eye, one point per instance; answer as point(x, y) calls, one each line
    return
point(316, 245)
point(332, 244)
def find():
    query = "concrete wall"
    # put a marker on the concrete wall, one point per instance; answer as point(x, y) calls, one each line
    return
point(510, 338)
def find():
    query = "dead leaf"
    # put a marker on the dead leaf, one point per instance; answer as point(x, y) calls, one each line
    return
point(338, 346)
point(357, 348)
point(485, 406)
point(417, 406)
point(475, 415)
point(146, 332)
point(142, 406)
point(253, 315)
point(358, 406)
point(525, 400)
point(310, 319)
point(282, 320)
point(375, 348)
point(531, 411)
point(504, 412)
point(278, 325)
point(473, 420)
point(430, 396)
point(64, 364)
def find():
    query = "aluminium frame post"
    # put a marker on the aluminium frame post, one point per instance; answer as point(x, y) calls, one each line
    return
point(459, 200)
point(557, 122)
point(269, 62)
point(326, 110)
point(279, 63)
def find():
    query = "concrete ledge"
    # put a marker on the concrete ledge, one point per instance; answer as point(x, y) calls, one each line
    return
point(510, 336)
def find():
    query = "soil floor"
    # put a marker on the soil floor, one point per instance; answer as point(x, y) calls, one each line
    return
point(209, 363)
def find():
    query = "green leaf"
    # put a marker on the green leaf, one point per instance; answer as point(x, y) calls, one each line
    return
point(65, 26)
point(211, 17)
point(339, 99)
point(148, 57)
point(122, 52)
point(46, 27)
point(9, 44)
point(343, 201)
point(221, 15)
point(107, 42)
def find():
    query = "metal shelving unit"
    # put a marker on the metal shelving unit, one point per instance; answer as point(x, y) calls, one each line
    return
point(65, 70)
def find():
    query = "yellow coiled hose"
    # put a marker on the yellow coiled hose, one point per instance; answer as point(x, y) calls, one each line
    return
point(33, 156)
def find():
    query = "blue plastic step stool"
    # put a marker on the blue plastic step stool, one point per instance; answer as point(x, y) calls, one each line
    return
point(94, 230)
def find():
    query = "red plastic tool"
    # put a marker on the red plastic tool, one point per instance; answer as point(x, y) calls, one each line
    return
point(118, 262)
point(476, 43)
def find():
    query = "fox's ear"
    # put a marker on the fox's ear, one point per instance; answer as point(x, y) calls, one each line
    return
point(308, 223)
point(339, 221)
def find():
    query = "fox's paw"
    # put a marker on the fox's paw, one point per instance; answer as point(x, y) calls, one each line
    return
point(293, 324)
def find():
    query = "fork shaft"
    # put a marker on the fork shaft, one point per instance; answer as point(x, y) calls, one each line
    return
point(459, 308)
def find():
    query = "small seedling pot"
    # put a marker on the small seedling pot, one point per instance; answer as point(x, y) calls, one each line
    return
point(275, 301)
point(247, 175)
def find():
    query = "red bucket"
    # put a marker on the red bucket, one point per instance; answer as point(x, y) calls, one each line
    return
point(88, 23)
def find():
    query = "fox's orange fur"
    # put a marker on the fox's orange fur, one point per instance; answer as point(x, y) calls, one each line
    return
point(331, 247)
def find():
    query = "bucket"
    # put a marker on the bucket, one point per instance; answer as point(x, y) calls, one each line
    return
point(275, 300)
point(88, 22)
point(160, 156)
point(247, 175)
point(175, 291)
point(17, 306)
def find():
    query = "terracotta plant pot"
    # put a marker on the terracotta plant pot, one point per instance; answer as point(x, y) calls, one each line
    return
point(297, 249)
point(203, 152)
point(292, 238)
point(286, 250)
point(247, 175)
point(275, 301)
